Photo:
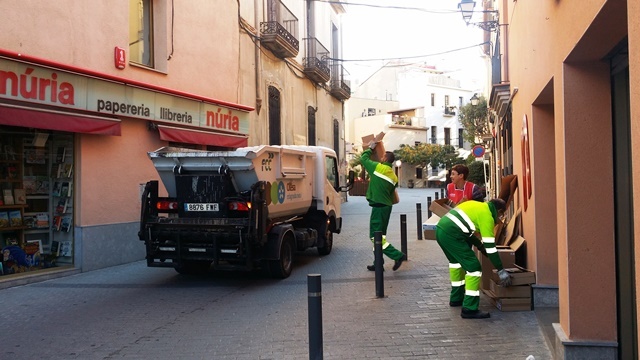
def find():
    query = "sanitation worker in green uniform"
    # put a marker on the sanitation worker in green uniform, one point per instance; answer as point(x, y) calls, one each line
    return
point(380, 195)
point(455, 232)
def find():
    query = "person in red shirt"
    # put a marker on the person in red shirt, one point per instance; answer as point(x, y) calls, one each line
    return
point(460, 189)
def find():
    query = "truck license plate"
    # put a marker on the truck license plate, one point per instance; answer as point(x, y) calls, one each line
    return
point(201, 207)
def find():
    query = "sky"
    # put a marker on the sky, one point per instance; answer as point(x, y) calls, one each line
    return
point(431, 32)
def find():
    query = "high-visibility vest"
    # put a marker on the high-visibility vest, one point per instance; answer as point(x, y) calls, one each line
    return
point(456, 195)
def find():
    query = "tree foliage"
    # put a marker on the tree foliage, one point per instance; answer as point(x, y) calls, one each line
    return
point(423, 155)
point(355, 161)
point(356, 165)
point(428, 154)
point(476, 173)
point(474, 120)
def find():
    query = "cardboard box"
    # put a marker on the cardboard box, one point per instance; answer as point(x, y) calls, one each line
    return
point(511, 231)
point(498, 232)
point(507, 256)
point(519, 276)
point(505, 187)
point(379, 150)
point(519, 291)
point(440, 207)
point(509, 304)
point(508, 187)
point(429, 227)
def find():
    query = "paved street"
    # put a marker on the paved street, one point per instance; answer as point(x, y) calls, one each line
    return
point(135, 312)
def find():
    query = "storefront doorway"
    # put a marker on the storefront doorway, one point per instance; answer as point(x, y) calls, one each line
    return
point(37, 207)
point(623, 193)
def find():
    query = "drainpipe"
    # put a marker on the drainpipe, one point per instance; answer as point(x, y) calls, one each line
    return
point(257, 56)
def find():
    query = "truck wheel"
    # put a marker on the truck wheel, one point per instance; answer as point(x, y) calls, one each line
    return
point(281, 268)
point(193, 267)
point(327, 242)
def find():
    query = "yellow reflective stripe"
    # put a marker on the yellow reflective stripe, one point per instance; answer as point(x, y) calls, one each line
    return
point(489, 240)
point(467, 219)
point(491, 250)
point(458, 222)
point(454, 266)
point(472, 293)
point(475, 273)
point(385, 244)
point(384, 177)
point(457, 283)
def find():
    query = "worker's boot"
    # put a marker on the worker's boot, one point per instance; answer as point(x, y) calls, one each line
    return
point(474, 314)
point(397, 263)
point(372, 267)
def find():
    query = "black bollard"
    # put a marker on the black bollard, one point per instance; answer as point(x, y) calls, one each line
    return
point(314, 287)
point(419, 219)
point(403, 235)
point(428, 207)
point(442, 193)
point(437, 196)
point(377, 249)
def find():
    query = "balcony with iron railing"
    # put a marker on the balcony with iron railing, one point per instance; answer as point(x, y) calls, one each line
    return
point(316, 62)
point(340, 88)
point(280, 32)
point(399, 121)
point(449, 111)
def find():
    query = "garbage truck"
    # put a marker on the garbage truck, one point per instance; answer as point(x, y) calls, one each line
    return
point(250, 208)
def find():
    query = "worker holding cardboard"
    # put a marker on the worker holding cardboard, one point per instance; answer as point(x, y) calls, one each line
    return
point(380, 195)
point(455, 232)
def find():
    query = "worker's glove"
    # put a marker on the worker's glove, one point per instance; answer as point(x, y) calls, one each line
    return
point(505, 279)
point(372, 144)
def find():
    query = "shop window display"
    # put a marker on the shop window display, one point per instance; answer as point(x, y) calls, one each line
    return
point(36, 177)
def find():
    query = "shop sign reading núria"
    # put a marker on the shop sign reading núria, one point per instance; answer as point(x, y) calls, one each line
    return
point(42, 85)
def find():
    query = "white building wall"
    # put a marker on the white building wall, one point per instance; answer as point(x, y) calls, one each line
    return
point(381, 85)
point(415, 89)
point(395, 135)
point(357, 108)
point(410, 87)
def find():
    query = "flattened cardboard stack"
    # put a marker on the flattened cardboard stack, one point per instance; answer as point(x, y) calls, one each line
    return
point(507, 244)
point(516, 297)
point(507, 255)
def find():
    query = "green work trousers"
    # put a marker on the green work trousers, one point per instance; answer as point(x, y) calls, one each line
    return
point(379, 221)
point(464, 268)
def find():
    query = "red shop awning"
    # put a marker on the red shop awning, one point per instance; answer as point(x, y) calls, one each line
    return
point(169, 133)
point(58, 120)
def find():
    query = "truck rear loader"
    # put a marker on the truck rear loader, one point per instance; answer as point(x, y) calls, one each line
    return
point(251, 208)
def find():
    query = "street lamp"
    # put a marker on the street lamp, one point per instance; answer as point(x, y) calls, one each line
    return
point(475, 100)
point(466, 9)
